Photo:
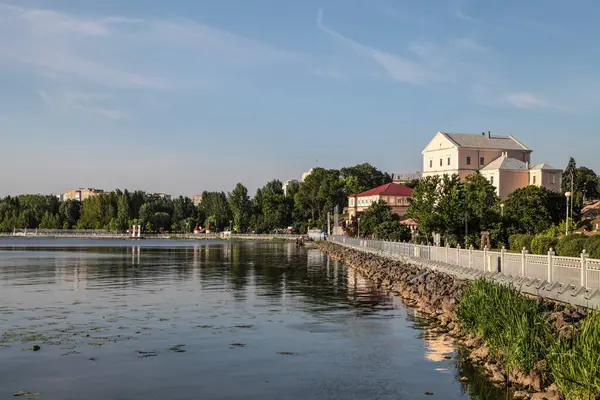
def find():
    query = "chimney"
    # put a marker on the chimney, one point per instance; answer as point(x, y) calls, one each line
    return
point(489, 134)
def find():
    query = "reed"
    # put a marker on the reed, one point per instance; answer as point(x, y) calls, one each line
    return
point(575, 361)
point(513, 326)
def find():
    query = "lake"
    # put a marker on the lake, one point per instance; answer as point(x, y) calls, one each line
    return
point(123, 319)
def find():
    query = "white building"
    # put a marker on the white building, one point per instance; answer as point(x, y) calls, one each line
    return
point(288, 183)
point(503, 160)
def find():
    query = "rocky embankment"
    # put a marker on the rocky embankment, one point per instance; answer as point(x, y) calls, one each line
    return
point(437, 295)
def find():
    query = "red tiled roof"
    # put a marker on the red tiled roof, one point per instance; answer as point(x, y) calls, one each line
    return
point(389, 189)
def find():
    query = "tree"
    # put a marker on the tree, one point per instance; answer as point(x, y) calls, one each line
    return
point(124, 215)
point(482, 203)
point(69, 211)
point(240, 205)
point(423, 203)
point(569, 174)
point(393, 231)
point(450, 211)
point(533, 210)
point(378, 213)
point(362, 177)
point(215, 208)
point(320, 192)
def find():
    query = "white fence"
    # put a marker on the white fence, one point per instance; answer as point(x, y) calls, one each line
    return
point(582, 271)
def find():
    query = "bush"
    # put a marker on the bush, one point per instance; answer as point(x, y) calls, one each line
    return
point(542, 244)
point(592, 246)
point(513, 326)
point(571, 246)
point(517, 242)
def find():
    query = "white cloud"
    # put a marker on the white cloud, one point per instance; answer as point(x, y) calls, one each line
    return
point(87, 103)
point(526, 100)
point(124, 52)
point(462, 16)
point(431, 64)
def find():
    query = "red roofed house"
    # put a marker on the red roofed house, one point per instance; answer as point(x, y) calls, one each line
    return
point(395, 195)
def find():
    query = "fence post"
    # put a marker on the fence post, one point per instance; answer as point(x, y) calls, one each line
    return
point(550, 263)
point(584, 269)
point(502, 254)
point(523, 261)
point(486, 262)
point(471, 256)
point(447, 253)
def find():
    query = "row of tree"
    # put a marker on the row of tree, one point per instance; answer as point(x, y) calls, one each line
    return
point(271, 208)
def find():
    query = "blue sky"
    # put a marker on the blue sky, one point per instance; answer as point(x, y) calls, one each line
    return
point(192, 95)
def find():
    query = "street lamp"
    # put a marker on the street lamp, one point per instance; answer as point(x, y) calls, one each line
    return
point(502, 209)
point(568, 196)
point(358, 227)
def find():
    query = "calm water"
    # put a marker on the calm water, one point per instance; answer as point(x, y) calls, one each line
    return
point(201, 320)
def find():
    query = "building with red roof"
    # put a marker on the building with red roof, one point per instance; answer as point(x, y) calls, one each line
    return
point(395, 195)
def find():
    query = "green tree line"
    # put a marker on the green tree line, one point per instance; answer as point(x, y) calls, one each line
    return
point(301, 206)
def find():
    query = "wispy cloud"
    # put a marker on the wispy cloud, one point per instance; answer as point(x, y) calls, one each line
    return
point(526, 100)
point(124, 52)
point(462, 16)
point(429, 63)
point(88, 103)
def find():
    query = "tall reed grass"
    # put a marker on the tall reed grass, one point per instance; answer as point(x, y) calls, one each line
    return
point(575, 362)
point(513, 326)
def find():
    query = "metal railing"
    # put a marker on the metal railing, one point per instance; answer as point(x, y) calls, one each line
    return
point(581, 271)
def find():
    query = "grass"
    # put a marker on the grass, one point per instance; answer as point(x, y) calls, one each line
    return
point(518, 333)
point(575, 361)
point(513, 327)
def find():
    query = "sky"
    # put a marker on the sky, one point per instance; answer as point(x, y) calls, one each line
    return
point(192, 95)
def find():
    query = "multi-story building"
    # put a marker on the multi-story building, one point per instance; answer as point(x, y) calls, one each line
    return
point(288, 183)
point(463, 154)
point(503, 160)
point(197, 199)
point(306, 174)
point(395, 195)
point(80, 194)
point(509, 174)
point(163, 196)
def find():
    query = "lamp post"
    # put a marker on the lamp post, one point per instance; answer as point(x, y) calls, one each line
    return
point(568, 196)
point(358, 234)
point(502, 209)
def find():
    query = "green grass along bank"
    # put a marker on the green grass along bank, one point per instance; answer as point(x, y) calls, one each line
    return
point(541, 348)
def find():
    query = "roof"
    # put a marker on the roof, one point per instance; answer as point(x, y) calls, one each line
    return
point(485, 141)
point(544, 167)
point(389, 189)
point(506, 163)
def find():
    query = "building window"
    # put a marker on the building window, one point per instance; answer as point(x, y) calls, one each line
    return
point(492, 179)
point(441, 163)
point(430, 163)
point(351, 202)
point(468, 160)
point(448, 160)
point(534, 179)
point(553, 178)
point(481, 161)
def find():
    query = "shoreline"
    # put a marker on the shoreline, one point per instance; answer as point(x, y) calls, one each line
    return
point(436, 295)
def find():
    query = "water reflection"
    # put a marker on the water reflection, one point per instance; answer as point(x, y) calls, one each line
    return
point(251, 321)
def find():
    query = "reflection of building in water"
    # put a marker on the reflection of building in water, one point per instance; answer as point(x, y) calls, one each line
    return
point(135, 255)
point(226, 251)
point(356, 280)
point(72, 271)
point(315, 258)
point(438, 347)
